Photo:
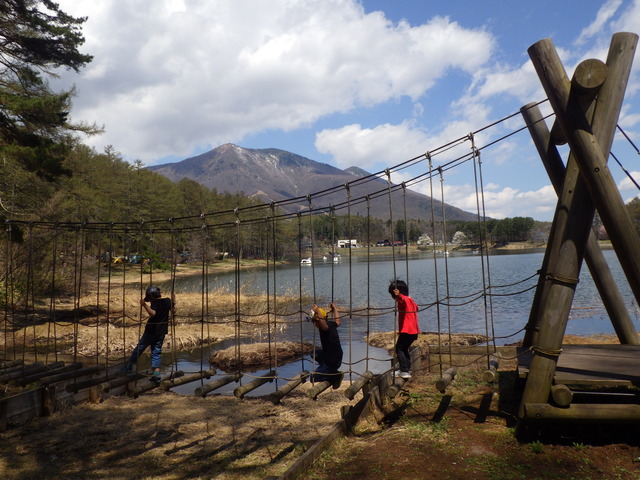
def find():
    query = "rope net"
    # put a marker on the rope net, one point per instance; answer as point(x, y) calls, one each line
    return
point(249, 276)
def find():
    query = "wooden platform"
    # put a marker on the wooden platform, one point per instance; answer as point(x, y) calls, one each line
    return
point(594, 365)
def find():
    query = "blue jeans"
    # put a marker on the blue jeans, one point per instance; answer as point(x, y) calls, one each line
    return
point(324, 372)
point(153, 341)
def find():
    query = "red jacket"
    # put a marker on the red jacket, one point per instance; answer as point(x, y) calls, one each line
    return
point(407, 315)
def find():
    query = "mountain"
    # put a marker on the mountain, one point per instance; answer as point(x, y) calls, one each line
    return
point(271, 174)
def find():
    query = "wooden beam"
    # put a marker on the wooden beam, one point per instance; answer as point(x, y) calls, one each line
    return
point(584, 412)
point(602, 277)
point(591, 145)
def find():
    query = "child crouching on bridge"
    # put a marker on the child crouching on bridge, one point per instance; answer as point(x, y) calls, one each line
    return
point(329, 358)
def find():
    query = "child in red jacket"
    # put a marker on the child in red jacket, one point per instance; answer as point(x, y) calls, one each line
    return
point(407, 324)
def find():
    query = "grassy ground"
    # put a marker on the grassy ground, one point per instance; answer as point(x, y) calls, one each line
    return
point(469, 431)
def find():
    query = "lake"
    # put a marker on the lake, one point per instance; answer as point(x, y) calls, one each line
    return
point(353, 284)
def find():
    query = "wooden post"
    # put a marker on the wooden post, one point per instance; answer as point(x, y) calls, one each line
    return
point(569, 236)
point(602, 277)
point(49, 400)
point(592, 149)
point(279, 394)
point(241, 391)
point(447, 377)
point(395, 387)
point(492, 372)
point(415, 355)
point(356, 386)
point(221, 382)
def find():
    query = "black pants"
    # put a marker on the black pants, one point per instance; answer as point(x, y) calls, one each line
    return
point(402, 350)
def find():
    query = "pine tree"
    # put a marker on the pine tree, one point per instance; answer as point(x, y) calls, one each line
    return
point(36, 39)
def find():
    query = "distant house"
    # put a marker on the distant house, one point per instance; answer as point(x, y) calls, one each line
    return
point(347, 243)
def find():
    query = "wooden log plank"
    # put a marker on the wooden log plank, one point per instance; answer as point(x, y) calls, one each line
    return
point(19, 371)
point(150, 384)
point(52, 370)
point(119, 381)
point(317, 389)
point(491, 373)
point(395, 387)
point(7, 364)
point(581, 413)
point(279, 394)
point(88, 383)
point(447, 377)
point(220, 382)
point(73, 374)
point(242, 390)
point(351, 391)
point(593, 365)
point(175, 382)
point(562, 395)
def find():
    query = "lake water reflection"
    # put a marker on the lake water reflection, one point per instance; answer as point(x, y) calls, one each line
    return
point(355, 283)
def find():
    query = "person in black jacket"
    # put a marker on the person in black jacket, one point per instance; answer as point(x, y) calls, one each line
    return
point(329, 358)
point(155, 330)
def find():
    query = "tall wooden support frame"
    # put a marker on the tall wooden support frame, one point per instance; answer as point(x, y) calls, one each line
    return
point(587, 181)
point(600, 272)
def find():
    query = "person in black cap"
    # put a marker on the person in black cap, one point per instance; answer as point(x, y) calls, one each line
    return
point(155, 330)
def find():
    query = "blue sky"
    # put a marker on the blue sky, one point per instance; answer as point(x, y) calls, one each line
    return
point(368, 83)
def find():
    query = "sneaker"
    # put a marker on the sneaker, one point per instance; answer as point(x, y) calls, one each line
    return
point(405, 375)
point(155, 376)
point(338, 381)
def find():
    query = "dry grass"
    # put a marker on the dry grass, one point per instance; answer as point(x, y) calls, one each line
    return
point(259, 355)
point(110, 324)
point(387, 340)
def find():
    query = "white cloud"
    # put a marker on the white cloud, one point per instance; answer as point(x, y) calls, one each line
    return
point(181, 75)
point(627, 185)
point(606, 12)
point(499, 202)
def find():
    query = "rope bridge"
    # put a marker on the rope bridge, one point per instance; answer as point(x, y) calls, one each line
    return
point(72, 290)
